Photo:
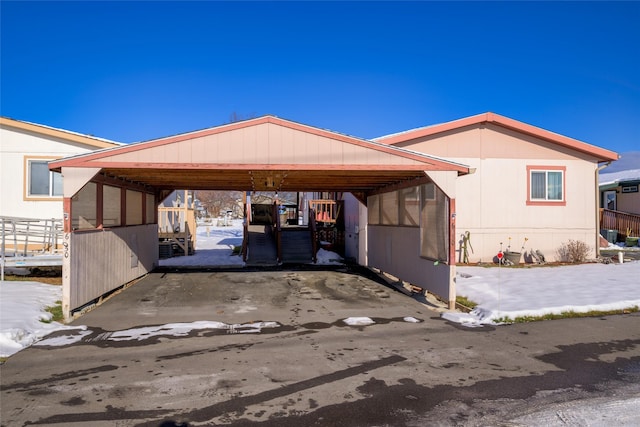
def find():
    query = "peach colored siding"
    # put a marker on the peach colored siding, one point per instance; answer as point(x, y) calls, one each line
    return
point(628, 202)
point(492, 202)
point(264, 143)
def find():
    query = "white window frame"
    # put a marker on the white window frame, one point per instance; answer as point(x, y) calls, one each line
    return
point(531, 200)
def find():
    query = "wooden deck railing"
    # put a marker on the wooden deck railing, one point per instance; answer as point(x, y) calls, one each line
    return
point(325, 210)
point(620, 221)
point(178, 225)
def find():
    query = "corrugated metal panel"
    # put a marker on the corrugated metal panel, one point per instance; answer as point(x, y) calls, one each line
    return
point(104, 260)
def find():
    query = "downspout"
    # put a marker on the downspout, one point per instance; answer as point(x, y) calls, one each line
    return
point(598, 169)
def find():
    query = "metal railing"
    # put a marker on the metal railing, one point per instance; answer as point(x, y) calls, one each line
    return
point(30, 242)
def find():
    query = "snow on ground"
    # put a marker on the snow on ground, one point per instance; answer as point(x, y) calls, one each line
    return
point(499, 291)
point(214, 246)
point(514, 292)
point(22, 312)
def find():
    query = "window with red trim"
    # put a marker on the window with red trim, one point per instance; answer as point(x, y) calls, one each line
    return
point(546, 185)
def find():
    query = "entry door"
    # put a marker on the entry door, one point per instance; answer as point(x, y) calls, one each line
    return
point(610, 200)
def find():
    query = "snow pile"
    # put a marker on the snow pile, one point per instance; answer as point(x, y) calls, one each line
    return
point(22, 312)
point(517, 292)
point(325, 257)
point(169, 329)
point(184, 329)
point(358, 321)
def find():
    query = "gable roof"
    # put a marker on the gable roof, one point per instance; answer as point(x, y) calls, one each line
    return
point(621, 177)
point(600, 153)
point(249, 154)
point(66, 135)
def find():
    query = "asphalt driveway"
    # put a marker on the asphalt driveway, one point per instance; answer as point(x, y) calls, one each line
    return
point(307, 348)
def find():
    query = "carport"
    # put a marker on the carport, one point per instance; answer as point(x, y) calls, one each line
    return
point(111, 197)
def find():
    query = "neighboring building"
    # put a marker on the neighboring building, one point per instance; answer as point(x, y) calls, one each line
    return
point(528, 183)
point(619, 191)
point(27, 188)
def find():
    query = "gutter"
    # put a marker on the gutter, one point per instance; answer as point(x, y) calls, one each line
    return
point(598, 169)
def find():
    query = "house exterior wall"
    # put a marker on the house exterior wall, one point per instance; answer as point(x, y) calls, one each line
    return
point(492, 203)
point(16, 147)
point(628, 202)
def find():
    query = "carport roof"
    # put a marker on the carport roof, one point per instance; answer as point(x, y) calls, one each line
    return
point(263, 154)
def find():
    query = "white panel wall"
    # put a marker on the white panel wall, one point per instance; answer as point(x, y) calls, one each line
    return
point(396, 250)
point(14, 146)
point(101, 261)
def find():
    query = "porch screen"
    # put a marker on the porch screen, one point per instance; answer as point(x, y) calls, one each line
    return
point(111, 200)
point(410, 206)
point(389, 208)
point(83, 207)
point(434, 223)
point(150, 200)
point(373, 210)
point(134, 207)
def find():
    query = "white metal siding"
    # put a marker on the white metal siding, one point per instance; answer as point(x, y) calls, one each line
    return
point(101, 261)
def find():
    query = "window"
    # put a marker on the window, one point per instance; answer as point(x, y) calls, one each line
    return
point(40, 181)
point(546, 185)
point(111, 198)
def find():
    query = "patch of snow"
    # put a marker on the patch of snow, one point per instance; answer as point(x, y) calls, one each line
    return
point(410, 319)
point(517, 292)
point(63, 340)
point(184, 329)
point(214, 246)
point(22, 312)
point(358, 321)
point(169, 329)
point(325, 257)
point(620, 246)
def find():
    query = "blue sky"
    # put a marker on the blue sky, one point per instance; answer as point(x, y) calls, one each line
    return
point(132, 71)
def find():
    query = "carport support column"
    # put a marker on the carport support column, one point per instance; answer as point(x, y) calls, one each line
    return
point(66, 258)
point(452, 254)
